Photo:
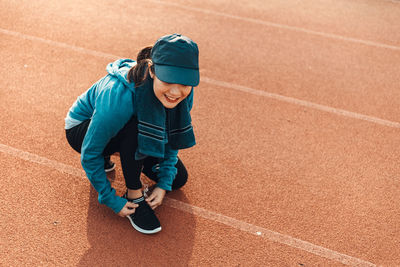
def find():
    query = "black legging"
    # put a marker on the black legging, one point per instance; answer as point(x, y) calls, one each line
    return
point(125, 142)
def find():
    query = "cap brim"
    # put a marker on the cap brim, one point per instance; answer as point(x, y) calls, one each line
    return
point(172, 74)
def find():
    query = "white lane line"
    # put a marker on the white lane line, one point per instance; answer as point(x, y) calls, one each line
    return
point(206, 214)
point(280, 26)
point(27, 156)
point(269, 234)
point(230, 86)
point(58, 44)
point(304, 103)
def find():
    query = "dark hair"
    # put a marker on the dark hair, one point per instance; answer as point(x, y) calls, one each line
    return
point(139, 72)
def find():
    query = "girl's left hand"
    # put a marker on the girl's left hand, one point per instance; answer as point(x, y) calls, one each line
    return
point(156, 197)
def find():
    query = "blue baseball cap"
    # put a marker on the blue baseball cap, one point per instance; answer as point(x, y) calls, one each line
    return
point(176, 60)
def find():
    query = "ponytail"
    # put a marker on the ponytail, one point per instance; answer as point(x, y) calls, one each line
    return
point(139, 72)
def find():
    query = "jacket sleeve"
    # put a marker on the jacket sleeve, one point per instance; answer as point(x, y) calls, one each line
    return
point(167, 170)
point(105, 123)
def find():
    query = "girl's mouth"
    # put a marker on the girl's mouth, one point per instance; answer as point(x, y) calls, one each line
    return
point(171, 99)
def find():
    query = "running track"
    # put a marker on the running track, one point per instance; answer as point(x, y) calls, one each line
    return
point(297, 125)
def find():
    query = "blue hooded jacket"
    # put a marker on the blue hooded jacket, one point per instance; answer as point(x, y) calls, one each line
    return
point(110, 103)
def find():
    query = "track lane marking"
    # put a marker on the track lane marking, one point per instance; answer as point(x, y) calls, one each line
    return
point(281, 26)
point(58, 44)
point(230, 86)
point(303, 103)
point(206, 214)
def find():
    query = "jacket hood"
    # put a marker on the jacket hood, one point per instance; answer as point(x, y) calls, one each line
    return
point(120, 68)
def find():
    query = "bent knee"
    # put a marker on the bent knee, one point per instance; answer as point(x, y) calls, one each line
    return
point(180, 180)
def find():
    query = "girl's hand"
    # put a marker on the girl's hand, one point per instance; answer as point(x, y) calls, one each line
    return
point(156, 197)
point(128, 209)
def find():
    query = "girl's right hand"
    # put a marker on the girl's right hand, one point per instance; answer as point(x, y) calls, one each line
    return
point(128, 209)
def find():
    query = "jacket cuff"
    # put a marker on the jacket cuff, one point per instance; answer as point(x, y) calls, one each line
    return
point(163, 185)
point(117, 204)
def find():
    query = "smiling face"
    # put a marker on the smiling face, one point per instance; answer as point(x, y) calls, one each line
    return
point(169, 94)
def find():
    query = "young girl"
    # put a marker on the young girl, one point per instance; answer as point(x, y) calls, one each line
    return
point(141, 110)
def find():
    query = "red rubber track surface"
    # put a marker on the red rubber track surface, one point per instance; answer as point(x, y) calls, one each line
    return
point(278, 177)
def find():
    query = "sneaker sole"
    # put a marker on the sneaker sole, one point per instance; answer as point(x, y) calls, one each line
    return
point(110, 169)
point(143, 231)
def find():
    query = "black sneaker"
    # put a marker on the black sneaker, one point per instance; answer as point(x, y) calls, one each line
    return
point(108, 164)
point(144, 219)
